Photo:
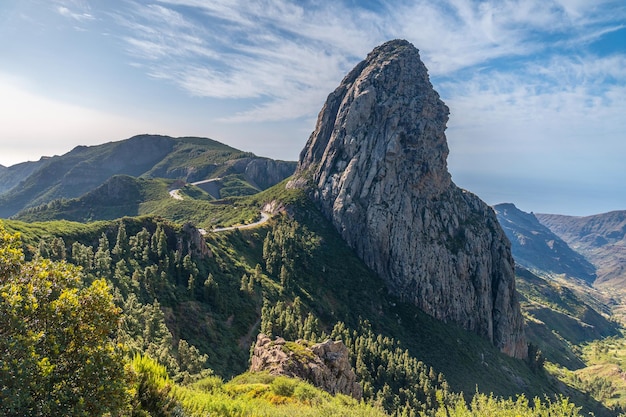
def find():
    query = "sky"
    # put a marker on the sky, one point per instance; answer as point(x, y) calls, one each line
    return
point(536, 88)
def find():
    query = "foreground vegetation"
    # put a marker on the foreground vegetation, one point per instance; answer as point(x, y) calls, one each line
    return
point(185, 310)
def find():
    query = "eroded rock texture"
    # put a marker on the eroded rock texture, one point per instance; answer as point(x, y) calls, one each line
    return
point(326, 365)
point(376, 166)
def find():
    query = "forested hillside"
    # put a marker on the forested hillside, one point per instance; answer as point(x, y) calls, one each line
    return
point(194, 304)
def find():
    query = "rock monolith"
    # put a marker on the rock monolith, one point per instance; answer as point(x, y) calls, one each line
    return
point(376, 165)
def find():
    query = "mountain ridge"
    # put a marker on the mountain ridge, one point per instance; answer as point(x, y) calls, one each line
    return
point(600, 237)
point(86, 167)
point(296, 276)
point(536, 247)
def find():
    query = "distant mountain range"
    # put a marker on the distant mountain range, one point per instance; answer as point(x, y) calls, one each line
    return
point(537, 248)
point(187, 159)
point(600, 238)
point(556, 287)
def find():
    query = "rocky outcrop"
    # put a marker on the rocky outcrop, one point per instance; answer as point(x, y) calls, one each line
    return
point(265, 172)
point(195, 243)
point(325, 365)
point(376, 166)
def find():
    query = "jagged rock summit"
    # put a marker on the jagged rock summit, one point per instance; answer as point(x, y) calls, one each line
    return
point(376, 166)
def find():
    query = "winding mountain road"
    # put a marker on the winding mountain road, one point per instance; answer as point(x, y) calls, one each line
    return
point(265, 216)
point(175, 194)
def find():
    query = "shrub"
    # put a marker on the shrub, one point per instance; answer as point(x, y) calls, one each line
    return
point(283, 386)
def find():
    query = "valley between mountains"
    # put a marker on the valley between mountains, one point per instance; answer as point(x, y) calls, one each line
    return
point(162, 276)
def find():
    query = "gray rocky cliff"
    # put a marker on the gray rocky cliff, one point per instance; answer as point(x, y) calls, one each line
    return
point(325, 365)
point(376, 166)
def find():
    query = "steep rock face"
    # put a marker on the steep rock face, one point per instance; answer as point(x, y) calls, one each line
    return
point(376, 166)
point(195, 243)
point(325, 365)
point(266, 172)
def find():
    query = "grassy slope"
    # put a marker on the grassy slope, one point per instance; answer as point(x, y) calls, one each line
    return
point(340, 287)
point(123, 195)
point(561, 315)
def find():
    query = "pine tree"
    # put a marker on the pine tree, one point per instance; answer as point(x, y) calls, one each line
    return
point(285, 279)
point(57, 249)
point(121, 275)
point(159, 242)
point(140, 245)
point(43, 249)
point(244, 283)
point(258, 273)
point(121, 247)
point(82, 256)
point(191, 284)
point(102, 257)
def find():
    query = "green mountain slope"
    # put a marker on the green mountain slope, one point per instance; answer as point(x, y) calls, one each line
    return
point(11, 176)
point(148, 156)
point(561, 308)
point(560, 316)
point(123, 195)
point(119, 196)
point(292, 276)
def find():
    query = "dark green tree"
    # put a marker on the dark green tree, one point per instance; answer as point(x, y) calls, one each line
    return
point(102, 258)
point(122, 246)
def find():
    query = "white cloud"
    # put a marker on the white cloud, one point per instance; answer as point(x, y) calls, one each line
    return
point(281, 52)
point(79, 16)
point(525, 91)
point(243, 52)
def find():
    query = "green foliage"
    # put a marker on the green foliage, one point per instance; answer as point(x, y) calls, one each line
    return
point(535, 359)
point(283, 386)
point(301, 280)
point(290, 321)
point(194, 192)
point(603, 376)
point(560, 315)
point(236, 185)
point(487, 406)
point(119, 196)
point(261, 394)
point(266, 395)
point(151, 388)
point(57, 354)
point(389, 375)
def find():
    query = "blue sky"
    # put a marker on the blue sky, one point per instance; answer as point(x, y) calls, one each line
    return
point(536, 88)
